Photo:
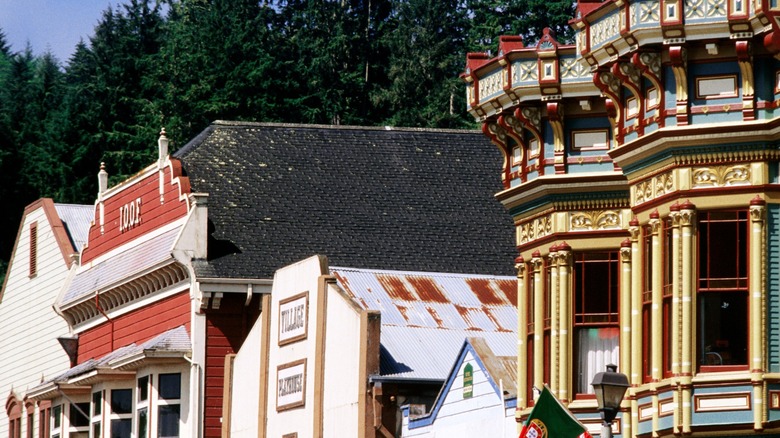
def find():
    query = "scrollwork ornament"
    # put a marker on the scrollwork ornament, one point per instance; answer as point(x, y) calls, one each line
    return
point(757, 213)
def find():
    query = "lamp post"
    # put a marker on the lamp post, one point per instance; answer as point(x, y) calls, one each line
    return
point(610, 387)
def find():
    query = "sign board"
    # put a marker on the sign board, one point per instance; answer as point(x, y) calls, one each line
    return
point(293, 318)
point(291, 385)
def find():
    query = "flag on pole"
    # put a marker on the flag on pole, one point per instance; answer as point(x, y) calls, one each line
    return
point(550, 419)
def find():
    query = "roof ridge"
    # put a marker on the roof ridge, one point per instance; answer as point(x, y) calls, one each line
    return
point(242, 124)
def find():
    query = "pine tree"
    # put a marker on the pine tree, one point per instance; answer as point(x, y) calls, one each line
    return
point(426, 43)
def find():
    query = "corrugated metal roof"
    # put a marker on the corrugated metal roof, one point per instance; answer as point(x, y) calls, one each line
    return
point(124, 265)
point(427, 316)
point(77, 219)
point(174, 340)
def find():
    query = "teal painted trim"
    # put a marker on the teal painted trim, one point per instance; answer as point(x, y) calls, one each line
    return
point(569, 197)
point(722, 417)
point(590, 168)
point(731, 116)
point(708, 149)
point(773, 286)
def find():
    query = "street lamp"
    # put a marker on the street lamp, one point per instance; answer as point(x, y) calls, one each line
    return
point(610, 387)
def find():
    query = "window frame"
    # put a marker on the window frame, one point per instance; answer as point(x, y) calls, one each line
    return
point(707, 285)
point(580, 320)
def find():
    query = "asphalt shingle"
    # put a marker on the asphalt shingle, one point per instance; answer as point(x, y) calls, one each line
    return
point(405, 199)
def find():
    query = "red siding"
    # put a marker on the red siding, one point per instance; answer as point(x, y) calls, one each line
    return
point(153, 213)
point(226, 330)
point(135, 327)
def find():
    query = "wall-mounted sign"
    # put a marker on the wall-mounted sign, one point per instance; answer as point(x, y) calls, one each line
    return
point(468, 381)
point(291, 385)
point(130, 215)
point(293, 318)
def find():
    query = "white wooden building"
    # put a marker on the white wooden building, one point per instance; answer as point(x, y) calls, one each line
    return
point(49, 237)
point(478, 399)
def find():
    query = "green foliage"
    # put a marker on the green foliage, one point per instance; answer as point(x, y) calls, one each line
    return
point(184, 63)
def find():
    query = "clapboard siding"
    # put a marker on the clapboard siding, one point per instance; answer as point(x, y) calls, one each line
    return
point(26, 314)
point(135, 327)
point(773, 286)
point(226, 329)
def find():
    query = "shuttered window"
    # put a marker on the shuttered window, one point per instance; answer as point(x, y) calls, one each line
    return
point(33, 249)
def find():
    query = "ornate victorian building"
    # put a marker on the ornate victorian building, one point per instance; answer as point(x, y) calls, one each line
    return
point(641, 170)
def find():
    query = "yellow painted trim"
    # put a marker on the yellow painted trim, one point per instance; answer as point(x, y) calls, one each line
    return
point(555, 347)
point(538, 323)
point(522, 334)
point(565, 321)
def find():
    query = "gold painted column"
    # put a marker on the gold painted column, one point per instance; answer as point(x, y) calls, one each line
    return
point(636, 322)
point(757, 317)
point(656, 284)
point(625, 319)
point(656, 348)
point(688, 274)
point(536, 262)
point(553, 309)
point(564, 320)
point(674, 213)
point(522, 334)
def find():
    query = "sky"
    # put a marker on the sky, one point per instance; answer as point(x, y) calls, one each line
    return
point(55, 25)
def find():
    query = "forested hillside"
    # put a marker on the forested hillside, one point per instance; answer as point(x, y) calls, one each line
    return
point(183, 63)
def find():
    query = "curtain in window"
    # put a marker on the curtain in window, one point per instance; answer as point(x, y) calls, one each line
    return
point(597, 348)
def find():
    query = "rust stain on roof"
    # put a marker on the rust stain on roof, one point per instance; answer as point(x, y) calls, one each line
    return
point(403, 311)
point(344, 284)
point(465, 314)
point(494, 320)
point(484, 291)
point(435, 316)
point(427, 289)
point(396, 288)
point(509, 288)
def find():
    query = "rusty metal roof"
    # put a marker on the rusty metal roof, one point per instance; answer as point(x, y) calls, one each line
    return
point(427, 316)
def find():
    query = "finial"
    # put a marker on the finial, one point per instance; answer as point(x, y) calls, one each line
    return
point(162, 144)
point(102, 178)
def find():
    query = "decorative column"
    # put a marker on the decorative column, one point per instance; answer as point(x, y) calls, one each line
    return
point(564, 320)
point(688, 274)
point(625, 321)
point(674, 213)
point(536, 262)
point(522, 334)
point(636, 322)
point(656, 298)
point(757, 317)
point(555, 346)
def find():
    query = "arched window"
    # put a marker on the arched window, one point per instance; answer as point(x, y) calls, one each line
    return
point(13, 407)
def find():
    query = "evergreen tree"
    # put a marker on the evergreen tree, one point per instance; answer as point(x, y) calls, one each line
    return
point(220, 62)
point(333, 57)
point(528, 18)
point(427, 53)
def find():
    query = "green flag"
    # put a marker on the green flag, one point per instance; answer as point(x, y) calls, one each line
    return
point(550, 419)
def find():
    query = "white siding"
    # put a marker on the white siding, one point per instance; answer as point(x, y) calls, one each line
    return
point(27, 318)
point(342, 364)
point(244, 401)
point(481, 415)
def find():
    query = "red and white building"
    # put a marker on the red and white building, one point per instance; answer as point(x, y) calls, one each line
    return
point(179, 257)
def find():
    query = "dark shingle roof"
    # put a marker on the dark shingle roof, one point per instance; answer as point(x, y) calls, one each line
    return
point(404, 199)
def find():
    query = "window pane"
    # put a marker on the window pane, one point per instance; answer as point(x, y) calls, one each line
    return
point(96, 430)
point(79, 414)
point(723, 250)
point(121, 428)
point(97, 403)
point(723, 328)
point(143, 422)
point(170, 386)
point(121, 401)
point(143, 388)
point(56, 412)
point(168, 421)
point(597, 347)
point(30, 425)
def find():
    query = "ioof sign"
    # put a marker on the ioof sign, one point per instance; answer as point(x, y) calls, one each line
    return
point(291, 385)
point(293, 318)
